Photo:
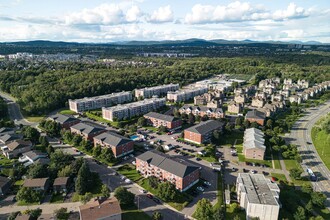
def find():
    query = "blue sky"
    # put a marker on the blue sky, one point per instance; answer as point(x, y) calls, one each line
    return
point(108, 21)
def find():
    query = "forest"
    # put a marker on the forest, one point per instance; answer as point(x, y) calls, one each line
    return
point(46, 86)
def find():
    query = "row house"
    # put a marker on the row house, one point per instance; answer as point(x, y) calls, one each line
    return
point(202, 110)
point(130, 110)
point(87, 131)
point(257, 102)
point(156, 120)
point(185, 94)
point(256, 116)
point(214, 103)
point(291, 87)
point(254, 144)
point(7, 138)
point(66, 121)
point(287, 81)
point(304, 95)
point(277, 97)
point(239, 91)
point(234, 107)
point(268, 91)
point(32, 157)
point(295, 98)
point(240, 99)
point(90, 103)
point(119, 144)
point(260, 95)
point(285, 93)
point(161, 90)
point(202, 99)
point(303, 83)
point(202, 132)
point(154, 163)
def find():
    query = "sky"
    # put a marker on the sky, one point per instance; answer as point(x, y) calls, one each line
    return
point(126, 20)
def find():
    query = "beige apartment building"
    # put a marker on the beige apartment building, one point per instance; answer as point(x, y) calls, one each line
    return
point(161, 90)
point(234, 107)
point(185, 94)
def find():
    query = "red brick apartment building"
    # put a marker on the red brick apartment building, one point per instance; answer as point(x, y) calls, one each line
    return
point(119, 145)
point(256, 116)
point(87, 131)
point(155, 119)
point(202, 132)
point(160, 165)
point(66, 121)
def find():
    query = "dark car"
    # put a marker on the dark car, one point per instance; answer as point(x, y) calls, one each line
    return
point(245, 170)
point(149, 196)
point(198, 159)
point(308, 142)
point(265, 173)
point(156, 200)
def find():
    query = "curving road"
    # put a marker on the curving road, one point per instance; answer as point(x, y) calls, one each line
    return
point(301, 136)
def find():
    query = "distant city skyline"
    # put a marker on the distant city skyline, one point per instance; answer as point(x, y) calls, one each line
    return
point(144, 20)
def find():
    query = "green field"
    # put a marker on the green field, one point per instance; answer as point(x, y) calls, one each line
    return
point(67, 112)
point(321, 141)
point(279, 176)
point(136, 215)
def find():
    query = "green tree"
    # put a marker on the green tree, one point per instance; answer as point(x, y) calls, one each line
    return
point(83, 179)
point(299, 214)
point(204, 210)
point(43, 141)
point(124, 196)
point(269, 123)
point(142, 122)
point(108, 155)
point(33, 213)
point(157, 216)
point(37, 170)
point(65, 171)
point(97, 150)
point(162, 128)
point(306, 188)
point(309, 207)
point(318, 199)
point(61, 214)
point(167, 191)
point(31, 133)
point(296, 173)
point(28, 195)
point(238, 121)
point(191, 119)
point(153, 181)
point(105, 191)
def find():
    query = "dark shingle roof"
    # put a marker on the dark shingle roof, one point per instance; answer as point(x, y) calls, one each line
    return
point(63, 118)
point(37, 182)
point(206, 126)
point(3, 181)
point(113, 139)
point(10, 137)
point(18, 144)
point(33, 155)
point(86, 128)
point(166, 163)
point(60, 181)
point(255, 114)
point(4, 129)
point(163, 117)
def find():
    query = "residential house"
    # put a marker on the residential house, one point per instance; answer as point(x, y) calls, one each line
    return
point(255, 116)
point(37, 184)
point(240, 99)
point(16, 148)
point(119, 144)
point(87, 131)
point(5, 184)
point(202, 132)
point(7, 138)
point(234, 107)
point(180, 173)
point(287, 81)
point(101, 208)
point(260, 95)
point(303, 83)
point(168, 121)
point(295, 98)
point(257, 102)
point(32, 157)
point(277, 97)
point(254, 144)
point(214, 103)
point(66, 121)
point(5, 130)
point(61, 184)
point(202, 110)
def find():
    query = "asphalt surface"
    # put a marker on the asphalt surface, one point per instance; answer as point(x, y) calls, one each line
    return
point(301, 136)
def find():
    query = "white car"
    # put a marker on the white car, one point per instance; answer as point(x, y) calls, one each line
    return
point(200, 189)
point(233, 151)
point(142, 191)
point(122, 177)
point(131, 155)
point(207, 183)
point(128, 181)
point(133, 162)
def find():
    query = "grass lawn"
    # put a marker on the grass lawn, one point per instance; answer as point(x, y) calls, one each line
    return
point(231, 212)
point(239, 149)
point(19, 182)
point(4, 161)
point(130, 172)
point(67, 112)
point(219, 193)
point(279, 176)
point(321, 142)
point(135, 214)
point(230, 138)
point(242, 158)
point(293, 164)
point(35, 118)
point(22, 203)
point(277, 163)
point(57, 198)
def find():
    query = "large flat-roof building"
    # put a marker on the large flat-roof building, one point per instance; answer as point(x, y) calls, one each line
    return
point(180, 173)
point(130, 110)
point(161, 90)
point(258, 196)
point(90, 103)
point(202, 132)
point(185, 94)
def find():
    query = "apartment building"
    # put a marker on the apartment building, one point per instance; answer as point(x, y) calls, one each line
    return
point(87, 131)
point(255, 116)
point(90, 103)
point(202, 110)
point(130, 110)
point(154, 163)
point(234, 107)
point(162, 90)
point(254, 144)
point(258, 196)
point(185, 94)
point(168, 121)
point(202, 132)
point(119, 144)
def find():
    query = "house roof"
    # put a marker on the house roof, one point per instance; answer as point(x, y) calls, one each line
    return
point(206, 126)
point(37, 182)
point(61, 181)
point(34, 155)
point(5, 129)
point(163, 117)
point(254, 131)
point(112, 139)
point(17, 144)
point(254, 138)
point(86, 128)
point(255, 114)
point(201, 108)
point(161, 160)
point(63, 118)
point(10, 137)
point(254, 144)
point(99, 209)
point(3, 181)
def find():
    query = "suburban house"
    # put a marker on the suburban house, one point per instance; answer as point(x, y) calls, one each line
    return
point(5, 130)
point(101, 208)
point(203, 131)
point(119, 144)
point(234, 107)
point(257, 102)
point(168, 121)
point(181, 174)
point(37, 184)
point(66, 121)
point(16, 148)
point(87, 131)
point(258, 196)
point(7, 138)
point(60, 184)
point(255, 116)
point(253, 144)
point(32, 157)
point(5, 184)
point(202, 110)
point(240, 99)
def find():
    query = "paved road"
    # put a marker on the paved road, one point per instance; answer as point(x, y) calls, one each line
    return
point(300, 135)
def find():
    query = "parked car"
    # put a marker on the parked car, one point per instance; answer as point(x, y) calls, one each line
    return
point(265, 173)
point(234, 154)
point(128, 181)
point(198, 159)
point(254, 171)
point(233, 169)
point(131, 155)
point(207, 183)
point(245, 170)
point(200, 189)
point(150, 196)
point(156, 200)
point(142, 191)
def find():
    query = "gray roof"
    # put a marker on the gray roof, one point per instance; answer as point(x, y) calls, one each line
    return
point(3, 181)
point(254, 144)
point(10, 137)
point(255, 114)
point(258, 189)
point(18, 144)
point(86, 128)
point(60, 181)
point(206, 126)
point(33, 155)
point(113, 139)
point(163, 117)
point(37, 182)
point(254, 138)
point(4, 129)
point(63, 118)
point(202, 108)
point(254, 130)
point(163, 161)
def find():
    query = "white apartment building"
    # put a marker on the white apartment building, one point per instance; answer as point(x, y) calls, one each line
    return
point(130, 110)
point(185, 94)
point(258, 196)
point(157, 90)
point(89, 103)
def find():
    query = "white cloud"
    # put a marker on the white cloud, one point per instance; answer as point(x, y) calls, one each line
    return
point(133, 14)
point(292, 11)
point(161, 15)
